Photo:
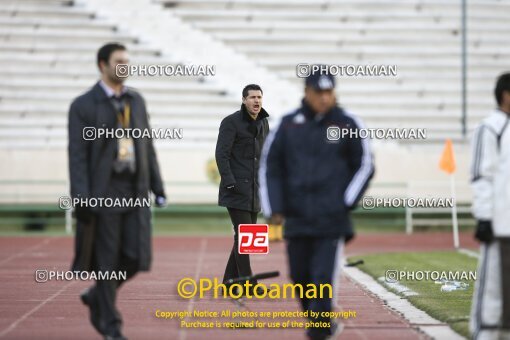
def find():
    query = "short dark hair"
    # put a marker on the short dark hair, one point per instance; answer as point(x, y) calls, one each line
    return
point(253, 87)
point(104, 53)
point(502, 85)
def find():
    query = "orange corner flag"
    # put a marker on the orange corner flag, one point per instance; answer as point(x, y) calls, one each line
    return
point(447, 162)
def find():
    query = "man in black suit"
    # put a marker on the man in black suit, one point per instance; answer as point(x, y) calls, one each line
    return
point(111, 239)
point(238, 149)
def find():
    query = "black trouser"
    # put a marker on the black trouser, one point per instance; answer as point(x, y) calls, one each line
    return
point(239, 264)
point(313, 260)
point(115, 249)
point(504, 251)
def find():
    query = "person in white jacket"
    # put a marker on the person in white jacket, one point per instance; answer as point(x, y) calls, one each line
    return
point(490, 170)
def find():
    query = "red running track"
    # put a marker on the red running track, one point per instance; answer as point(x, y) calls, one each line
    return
point(52, 310)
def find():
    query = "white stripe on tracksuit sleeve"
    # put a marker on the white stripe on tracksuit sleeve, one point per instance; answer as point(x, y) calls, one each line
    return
point(483, 168)
point(265, 202)
point(364, 172)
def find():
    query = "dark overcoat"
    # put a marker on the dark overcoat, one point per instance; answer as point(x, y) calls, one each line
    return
point(91, 162)
point(238, 149)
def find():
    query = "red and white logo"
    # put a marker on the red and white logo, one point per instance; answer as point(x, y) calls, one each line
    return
point(253, 239)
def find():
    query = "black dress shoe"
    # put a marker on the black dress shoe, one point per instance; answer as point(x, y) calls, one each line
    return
point(260, 291)
point(235, 290)
point(115, 337)
point(88, 298)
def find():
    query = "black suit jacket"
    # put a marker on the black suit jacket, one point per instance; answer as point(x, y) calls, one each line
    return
point(91, 161)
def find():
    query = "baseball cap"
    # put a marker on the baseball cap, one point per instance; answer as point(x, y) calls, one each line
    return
point(320, 78)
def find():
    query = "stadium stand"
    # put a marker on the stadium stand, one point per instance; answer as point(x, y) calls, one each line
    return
point(426, 91)
point(47, 58)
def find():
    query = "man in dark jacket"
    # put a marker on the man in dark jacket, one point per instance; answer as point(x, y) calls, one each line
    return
point(313, 178)
point(238, 149)
point(111, 239)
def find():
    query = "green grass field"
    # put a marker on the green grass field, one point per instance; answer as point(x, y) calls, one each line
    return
point(183, 219)
point(450, 307)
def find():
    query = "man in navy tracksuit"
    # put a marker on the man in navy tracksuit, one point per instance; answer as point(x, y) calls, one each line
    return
point(312, 179)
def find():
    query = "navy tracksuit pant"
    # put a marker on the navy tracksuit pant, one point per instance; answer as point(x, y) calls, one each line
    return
point(315, 260)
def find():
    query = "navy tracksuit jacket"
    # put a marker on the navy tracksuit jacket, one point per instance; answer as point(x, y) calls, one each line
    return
point(314, 182)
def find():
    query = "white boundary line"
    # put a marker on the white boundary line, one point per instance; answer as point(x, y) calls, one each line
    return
point(13, 325)
point(424, 322)
point(398, 287)
point(23, 252)
point(469, 253)
point(200, 261)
